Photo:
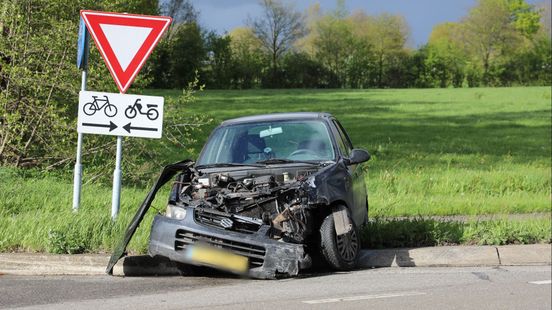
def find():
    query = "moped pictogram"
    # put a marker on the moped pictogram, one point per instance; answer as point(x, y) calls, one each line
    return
point(132, 110)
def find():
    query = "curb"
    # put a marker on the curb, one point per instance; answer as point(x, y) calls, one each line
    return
point(458, 256)
point(143, 265)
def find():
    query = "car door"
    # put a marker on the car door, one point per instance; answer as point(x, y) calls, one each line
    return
point(358, 209)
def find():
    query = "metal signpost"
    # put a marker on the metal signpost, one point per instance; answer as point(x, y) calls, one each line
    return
point(82, 63)
point(125, 41)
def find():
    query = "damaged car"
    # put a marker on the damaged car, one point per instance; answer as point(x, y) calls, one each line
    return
point(267, 195)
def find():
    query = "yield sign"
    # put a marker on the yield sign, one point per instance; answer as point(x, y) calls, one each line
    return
point(125, 41)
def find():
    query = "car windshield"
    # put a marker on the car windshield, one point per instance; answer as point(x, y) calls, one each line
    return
point(269, 142)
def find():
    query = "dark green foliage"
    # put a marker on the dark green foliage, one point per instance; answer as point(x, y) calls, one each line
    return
point(186, 54)
point(531, 66)
point(66, 241)
point(300, 71)
point(218, 66)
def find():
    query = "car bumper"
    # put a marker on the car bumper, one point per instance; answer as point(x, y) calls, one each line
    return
point(268, 258)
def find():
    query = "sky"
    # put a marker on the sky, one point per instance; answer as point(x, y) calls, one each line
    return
point(224, 15)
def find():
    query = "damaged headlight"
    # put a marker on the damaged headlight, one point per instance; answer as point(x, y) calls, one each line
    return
point(175, 212)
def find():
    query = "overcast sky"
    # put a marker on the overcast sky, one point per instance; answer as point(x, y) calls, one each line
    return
point(421, 15)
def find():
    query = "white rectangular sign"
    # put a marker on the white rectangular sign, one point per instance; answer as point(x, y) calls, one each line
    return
point(120, 115)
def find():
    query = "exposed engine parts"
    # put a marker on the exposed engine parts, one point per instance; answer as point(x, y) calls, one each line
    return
point(277, 200)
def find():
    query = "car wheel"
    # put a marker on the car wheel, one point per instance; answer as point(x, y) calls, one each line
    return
point(340, 252)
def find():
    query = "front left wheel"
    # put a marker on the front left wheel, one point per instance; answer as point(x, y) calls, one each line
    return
point(340, 252)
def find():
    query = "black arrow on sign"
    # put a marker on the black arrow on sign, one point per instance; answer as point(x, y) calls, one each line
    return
point(111, 126)
point(128, 127)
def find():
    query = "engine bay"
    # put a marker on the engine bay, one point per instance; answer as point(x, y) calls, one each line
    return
point(244, 200)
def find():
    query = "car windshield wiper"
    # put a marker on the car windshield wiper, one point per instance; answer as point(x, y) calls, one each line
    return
point(215, 165)
point(285, 161)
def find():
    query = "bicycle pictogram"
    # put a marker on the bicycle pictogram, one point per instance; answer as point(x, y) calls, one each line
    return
point(90, 108)
point(132, 110)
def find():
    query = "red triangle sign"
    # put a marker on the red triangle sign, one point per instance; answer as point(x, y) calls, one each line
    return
point(125, 41)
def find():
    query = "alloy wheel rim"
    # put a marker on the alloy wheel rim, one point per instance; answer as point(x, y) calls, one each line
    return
point(347, 245)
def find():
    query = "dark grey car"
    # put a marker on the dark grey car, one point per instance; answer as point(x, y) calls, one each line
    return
point(267, 194)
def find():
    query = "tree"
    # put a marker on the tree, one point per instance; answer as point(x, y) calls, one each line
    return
point(361, 60)
point(531, 63)
point(218, 65)
point(247, 58)
point(302, 71)
point(333, 43)
point(387, 36)
point(546, 16)
point(186, 54)
point(278, 29)
point(495, 29)
point(445, 60)
point(179, 54)
point(181, 11)
point(524, 17)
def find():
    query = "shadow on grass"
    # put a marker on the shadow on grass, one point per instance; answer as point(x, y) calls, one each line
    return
point(408, 233)
point(422, 232)
point(372, 122)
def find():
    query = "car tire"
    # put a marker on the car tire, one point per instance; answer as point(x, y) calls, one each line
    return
point(340, 252)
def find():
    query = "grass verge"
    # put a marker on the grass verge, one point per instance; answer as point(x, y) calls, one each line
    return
point(418, 232)
point(42, 221)
point(434, 152)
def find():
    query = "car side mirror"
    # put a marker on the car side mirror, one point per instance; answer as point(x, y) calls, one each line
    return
point(358, 156)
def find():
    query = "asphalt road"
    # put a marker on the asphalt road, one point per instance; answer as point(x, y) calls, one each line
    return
point(524, 287)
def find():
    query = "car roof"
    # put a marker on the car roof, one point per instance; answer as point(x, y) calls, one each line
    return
point(277, 117)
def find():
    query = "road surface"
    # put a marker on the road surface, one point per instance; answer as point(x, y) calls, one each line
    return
point(522, 287)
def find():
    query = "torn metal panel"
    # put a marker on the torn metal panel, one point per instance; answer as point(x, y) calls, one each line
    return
point(342, 223)
point(167, 174)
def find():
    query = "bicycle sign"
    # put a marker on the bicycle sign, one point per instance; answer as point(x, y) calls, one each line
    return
point(90, 108)
point(102, 113)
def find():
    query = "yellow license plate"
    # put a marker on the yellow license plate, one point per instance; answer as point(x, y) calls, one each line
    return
point(218, 258)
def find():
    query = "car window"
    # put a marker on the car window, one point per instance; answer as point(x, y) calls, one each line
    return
point(343, 140)
point(252, 142)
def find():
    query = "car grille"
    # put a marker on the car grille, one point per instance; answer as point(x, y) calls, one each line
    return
point(255, 253)
point(214, 220)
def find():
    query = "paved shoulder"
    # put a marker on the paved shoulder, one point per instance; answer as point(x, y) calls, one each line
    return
point(445, 256)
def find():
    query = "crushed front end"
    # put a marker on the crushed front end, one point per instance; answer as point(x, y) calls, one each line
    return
point(264, 215)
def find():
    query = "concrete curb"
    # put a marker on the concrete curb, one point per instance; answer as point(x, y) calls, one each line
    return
point(446, 256)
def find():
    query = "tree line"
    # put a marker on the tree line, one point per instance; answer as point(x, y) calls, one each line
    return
point(498, 43)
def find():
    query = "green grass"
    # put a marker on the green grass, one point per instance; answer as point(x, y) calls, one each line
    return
point(36, 215)
point(435, 152)
point(418, 232)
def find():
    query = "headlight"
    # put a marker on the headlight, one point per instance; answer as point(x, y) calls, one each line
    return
point(175, 212)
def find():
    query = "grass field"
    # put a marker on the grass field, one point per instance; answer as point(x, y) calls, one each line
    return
point(435, 152)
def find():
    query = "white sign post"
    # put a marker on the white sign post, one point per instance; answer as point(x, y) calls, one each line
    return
point(125, 41)
point(120, 115)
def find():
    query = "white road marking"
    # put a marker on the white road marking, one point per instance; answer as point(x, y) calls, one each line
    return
point(365, 297)
point(541, 282)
